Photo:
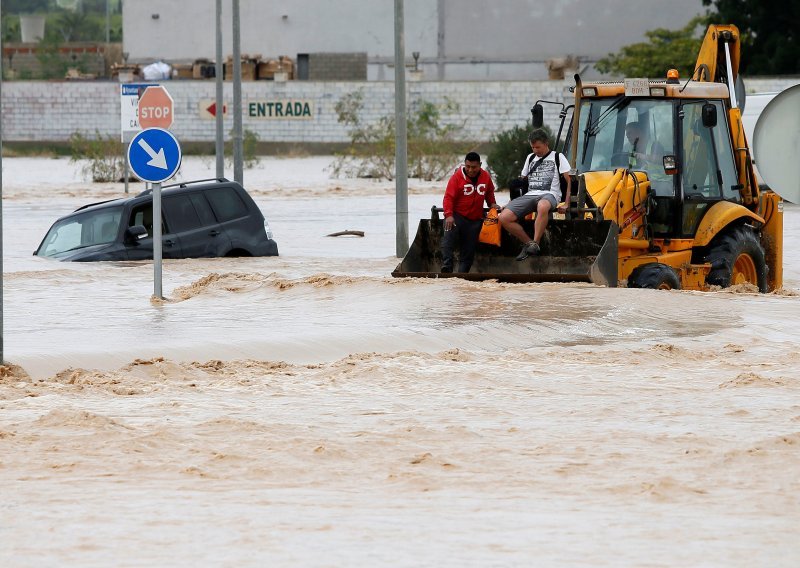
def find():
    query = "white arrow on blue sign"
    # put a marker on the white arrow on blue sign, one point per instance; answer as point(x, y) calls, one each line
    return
point(154, 155)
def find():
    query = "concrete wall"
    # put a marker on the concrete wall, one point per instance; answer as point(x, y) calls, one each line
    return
point(49, 111)
point(456, 39)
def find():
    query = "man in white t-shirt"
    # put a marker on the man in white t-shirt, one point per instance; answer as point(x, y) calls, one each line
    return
point(543, 169)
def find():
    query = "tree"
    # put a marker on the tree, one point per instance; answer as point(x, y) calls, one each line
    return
point(434, 144)
point(667, 49)
point(770, 33)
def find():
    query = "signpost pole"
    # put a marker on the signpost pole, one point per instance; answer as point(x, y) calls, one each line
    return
point(219, 147)
point(157, 252)
point(126, 171)
point(401, 150)
point(2, 353)
point(238, 173)
point(155, 156)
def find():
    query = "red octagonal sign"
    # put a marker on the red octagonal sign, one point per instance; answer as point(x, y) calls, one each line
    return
point(155, 108)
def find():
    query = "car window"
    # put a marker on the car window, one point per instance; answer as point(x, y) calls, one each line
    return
point(181, 213)
point(203, 209)
point(143, 215)
point(82, 230)
point(227, 203)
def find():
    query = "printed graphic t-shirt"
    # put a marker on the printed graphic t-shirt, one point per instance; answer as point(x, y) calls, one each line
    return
point(543, 179)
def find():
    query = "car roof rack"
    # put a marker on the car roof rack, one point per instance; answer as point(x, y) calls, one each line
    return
point(184, 184)
point(82, 207)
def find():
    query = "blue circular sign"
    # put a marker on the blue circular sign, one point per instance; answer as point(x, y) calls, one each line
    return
point(154, 155)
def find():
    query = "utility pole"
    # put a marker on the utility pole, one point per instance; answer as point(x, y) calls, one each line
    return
point(2, 352)
point(219, 147)
point(401, 150)
point(238, 173)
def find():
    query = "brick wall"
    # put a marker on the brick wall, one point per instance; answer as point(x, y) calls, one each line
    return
point(24, 61)
point(337, 66)
point(52, 111)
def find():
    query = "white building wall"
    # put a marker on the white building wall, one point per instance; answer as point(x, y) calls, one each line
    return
point(47, 111)
point(185, 29)
point(456, 39)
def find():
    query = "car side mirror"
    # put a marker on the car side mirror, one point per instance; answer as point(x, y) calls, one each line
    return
point(670, 165)
point(709, 113)
point(135, 234)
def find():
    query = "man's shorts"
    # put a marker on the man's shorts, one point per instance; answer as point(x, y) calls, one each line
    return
point(527, 203)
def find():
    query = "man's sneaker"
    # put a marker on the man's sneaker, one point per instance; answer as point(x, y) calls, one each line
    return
point(532, 248)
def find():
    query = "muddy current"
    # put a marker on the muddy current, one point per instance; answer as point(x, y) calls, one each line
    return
point(310, 410)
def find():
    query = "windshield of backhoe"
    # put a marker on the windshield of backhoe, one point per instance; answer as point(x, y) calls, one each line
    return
point(627, 132)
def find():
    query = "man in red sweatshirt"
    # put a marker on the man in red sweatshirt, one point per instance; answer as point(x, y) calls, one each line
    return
point(468, 188)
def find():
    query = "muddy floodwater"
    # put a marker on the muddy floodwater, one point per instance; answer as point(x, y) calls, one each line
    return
point(310, 410)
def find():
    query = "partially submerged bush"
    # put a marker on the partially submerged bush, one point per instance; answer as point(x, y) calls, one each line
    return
point(250, 141)
point(433, 147)
point(104, 156)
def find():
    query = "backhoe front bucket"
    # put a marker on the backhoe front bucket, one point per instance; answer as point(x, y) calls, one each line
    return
point(571, 251)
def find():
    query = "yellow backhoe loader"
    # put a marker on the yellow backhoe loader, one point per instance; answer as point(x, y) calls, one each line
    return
point(685, 211)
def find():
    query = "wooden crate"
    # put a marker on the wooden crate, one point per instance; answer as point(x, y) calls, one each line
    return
point(183, 71)
point(248, 70)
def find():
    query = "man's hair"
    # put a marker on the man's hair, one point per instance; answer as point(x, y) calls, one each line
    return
point(473, 157)
point(539, 135)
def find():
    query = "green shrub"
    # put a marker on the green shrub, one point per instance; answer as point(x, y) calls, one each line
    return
point(105, 158)
point(250, 141)
point(433, 147)
point(509, 150)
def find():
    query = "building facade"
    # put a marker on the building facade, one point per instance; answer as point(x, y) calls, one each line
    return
point(44, 111)
point(455, 39)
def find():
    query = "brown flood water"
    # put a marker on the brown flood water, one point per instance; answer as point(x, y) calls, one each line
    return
point(309, 410)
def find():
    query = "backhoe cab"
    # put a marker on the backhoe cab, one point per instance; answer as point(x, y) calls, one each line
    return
point(666, 195)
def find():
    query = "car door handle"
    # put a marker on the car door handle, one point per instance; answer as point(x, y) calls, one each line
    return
point(169, 242)
point(214, 233)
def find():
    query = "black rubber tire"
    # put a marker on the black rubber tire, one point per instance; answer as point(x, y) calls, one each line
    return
point(726, 248)
point(656, 276)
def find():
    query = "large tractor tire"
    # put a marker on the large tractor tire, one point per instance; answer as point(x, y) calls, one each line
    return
point(737, 257)
point(656, 276)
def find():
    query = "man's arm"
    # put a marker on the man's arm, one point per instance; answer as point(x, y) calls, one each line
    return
point(568, 192)
point(491, 201)
point(448, 203)
point(564, 165)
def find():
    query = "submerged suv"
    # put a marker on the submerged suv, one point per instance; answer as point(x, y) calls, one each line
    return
point(206, 218)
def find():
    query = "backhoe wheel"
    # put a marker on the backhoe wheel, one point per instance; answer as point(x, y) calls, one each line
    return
point(656, 276)
point(737, 257)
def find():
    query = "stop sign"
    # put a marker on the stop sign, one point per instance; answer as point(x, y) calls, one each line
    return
point(155, 108)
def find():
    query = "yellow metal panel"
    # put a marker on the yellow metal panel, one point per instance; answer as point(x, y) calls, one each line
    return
point(706, 64)
point(624, 194)
point(721, 214)
point(692, 90)
point(674, 259)
point(633, 243)
point(744, 165)
point(598, 191)
point(772, 237)
point(693, 276)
